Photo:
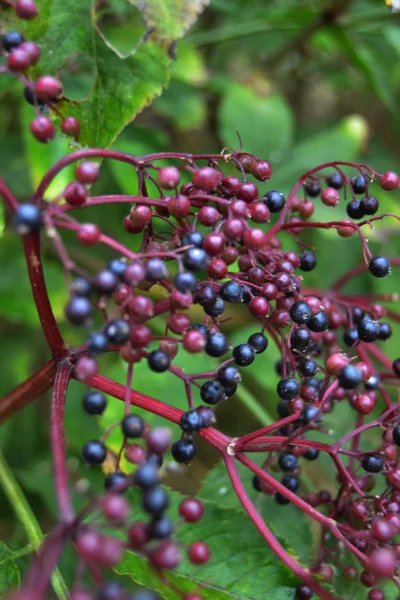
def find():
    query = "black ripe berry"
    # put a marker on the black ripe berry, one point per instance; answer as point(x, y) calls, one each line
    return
point(312, 188)
point(215, 309)
point(287, 462)
point(146, 476)
point(217, 344)
point(283, 408)
point(300, 312)
point(358, 314)
point(368, 330)
point(373, 383)
point(194, 238)
point(159, 361)
point(396, 435)
point(194, 259)
point(230, 389)
point(334, 180)
point(229, 375)
point(355, 210)
point(290, 482)
point(318, 322)
point(94, 403)
point(256, 483)
point(118, 331)
point(311, 454)
point(132, 426)
point(359, 184)
point(350, 337)
point(259, 342)
point(300, 339)
point(243, 355)
point(308, 367)
point(156, 270)
point(379, 266)
point(372, 463)
point(160, 529)
point(370, 205)
point(78, 310)
point(385, 331)
point(281, 499)
point(81, 287)
point(212, 392)
point(350, 377)
point(275, 201)
point(118, 267)
point(11, 40)
point(116, 481)
point(97, 343)
point(303, 592)
point(27, 219)
point(310, 414)
point(155, 501)
point(288, 389)
point(94, 452)
point(308, 261)
point(191, 421)
point(231, 292)
point(183, 451)
point(185, 282)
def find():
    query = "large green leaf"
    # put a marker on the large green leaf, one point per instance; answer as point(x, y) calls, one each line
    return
point(9, 572)
point(263, 120)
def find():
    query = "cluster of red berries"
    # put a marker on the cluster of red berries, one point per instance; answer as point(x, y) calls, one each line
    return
point(44, 93)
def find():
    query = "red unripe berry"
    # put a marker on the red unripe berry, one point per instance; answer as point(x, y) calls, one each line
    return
point(179, 300)
point(270, 291)
point(394, 520)
point(75, 193)
point(233, 228)
point(239, 208)
point(230, 255)
point(48, 88)
point(217, 269)
point(121, 294)
point(376, 595)
point(383, 562)
point(135, 454)
point(229, 186)
point(18, 60)
point(191, 510)
point(248, 162)
point(259, 213)
point(306, 209)
point(335, 363)
point(77, 594)
point(390, 181)
point(85, 368)
point(71, 126)
point(280, 318)
point(256, 275)
point(292, 257)
point(390, 452)
point(129, 354)
point(179, 206)
point(32, 49)
point(26, 9)
point(135, 274)
point(206, 178)
point(208, 216)
point(166, 555)
point(194, 341)
point(262, 170)
point(141, 306)
point(87, 542)
point(330, 197)
point(282, 281)
point(87, 172)
point(377, 311)
point(214, 243)
point(141, 336)
point(131, 227)
point(138, 535)
point(192, 597)
point(178, 322)
point(115, 507)
point(168, 178)
point(382, 530)
point(254, 239)
point(259, 307)
point(245, 263)
point(43, 129)
point(109, 552)
point(170, 347)
point(247, 191)
point(141, 215)
point(365, 404)
point(346, 228)
point(296, 405)
point(199, 553)
point(89, 234)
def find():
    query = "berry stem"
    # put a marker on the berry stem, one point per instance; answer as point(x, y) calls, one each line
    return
point(8, 196)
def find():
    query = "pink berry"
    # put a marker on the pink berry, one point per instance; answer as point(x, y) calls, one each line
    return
point(48, 88)
point(247, 191)
point(166, 555)
point(191, 510)
point(199, 553)
point(26, 9)
point(115, 507)
point(85, 368)
point(158, 440)
point(89, 234)
point(383, 562)
point(206, 178)
point(168, 178)
point(262, 170)
point(18, 60)
point(194, 341)
point(179, 206)
point(330, 197)
point(70, 126)
point(87, 172)
point(33, 50)
point(208, 216)
point(43, 129)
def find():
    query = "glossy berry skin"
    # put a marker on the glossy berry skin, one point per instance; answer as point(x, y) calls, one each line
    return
point(287, 462)
point(350, 377)
point(155, 501)
point(71, 126)
point(335, 180)
point(87, 172)
point(194, 238)
point(350, 337)
point(231, 292)
point(48, 88)
point(191, 510)
point(217, 344)
point(212, 392)
point(146, 476)
point(310, 414)
point(168, 178)
point(311, 454)
point(94, 452)
point(78, 311)
point(300, 312)
point(303, 592)
point(94, 403)
point(160, 529)
point(354, 209)
point(206, 178)
point(368, 330)
point(308, 261)
point(369, 205)
point(312, 189)
point(318, 322)
point(132, 426)
point(42, 129)
point(359, 184)
point(165, 555)
point(27, 219)
point(291, 482)
point(191, 421)
point(118, 331)
point(215, 309)
point(385, 331)
point(379, 266)
point(185, 282)
point(244, 355)
point(199, 553)
point(308, 367)
point(18, 60)
point(183, 451)
point(288, 389)
point(229, 375)
point(259, 342)
point(372, 463)
point(275, 201)
point(11, 40)
point(194, 259)
point(159, 361)
point(116, 481)
point(390, 181)
point(26, 9)
point(300, 339)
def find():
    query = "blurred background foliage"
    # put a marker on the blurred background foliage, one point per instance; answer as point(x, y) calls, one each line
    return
point(304, 82)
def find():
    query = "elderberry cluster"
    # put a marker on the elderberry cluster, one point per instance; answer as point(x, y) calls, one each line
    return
point(46, 92)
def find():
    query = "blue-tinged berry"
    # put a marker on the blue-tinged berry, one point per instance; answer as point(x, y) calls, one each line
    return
point(372, 463)
point(231, 292)
point(185, 282)
point(132, 426)
point(288, 389)
point(287, 462)
point(290, 482)
point(385, 331)
point(350, 377)
point(308, 261)
point(115, 481)
point(300, 312)
point(118, 331)
point(159, 361)
point(191, 421)
point(318, 322)
point(215, 309)
point(155, 501)
point(97, 343)
point(11, 40)
point(27, 219)
point(160, 529)
point(243, 355)
point(368, 330)
point(193, 237)
point(334, 180)
point(275, 201)
point(259, 342)
point(78, 310)
point(81, 287)
point(94, 403)
point(308, 367)
point(217, 344)
point(311, 454)
point(379, 266)
point(146, 475)
point(183, 451)
point(94, 452)
point(194, 259)
point(359, 184)
point(212, 392)
point(350, 337)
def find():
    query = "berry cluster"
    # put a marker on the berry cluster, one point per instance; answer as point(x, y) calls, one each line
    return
point(210, 237)
point(44, 93)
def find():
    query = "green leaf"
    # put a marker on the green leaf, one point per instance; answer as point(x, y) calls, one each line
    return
point(168, 20)
point(240, 565)
point(189, 66)
point(122, 88)
point(9, 572)
point(183, 105)
point(264, 121)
